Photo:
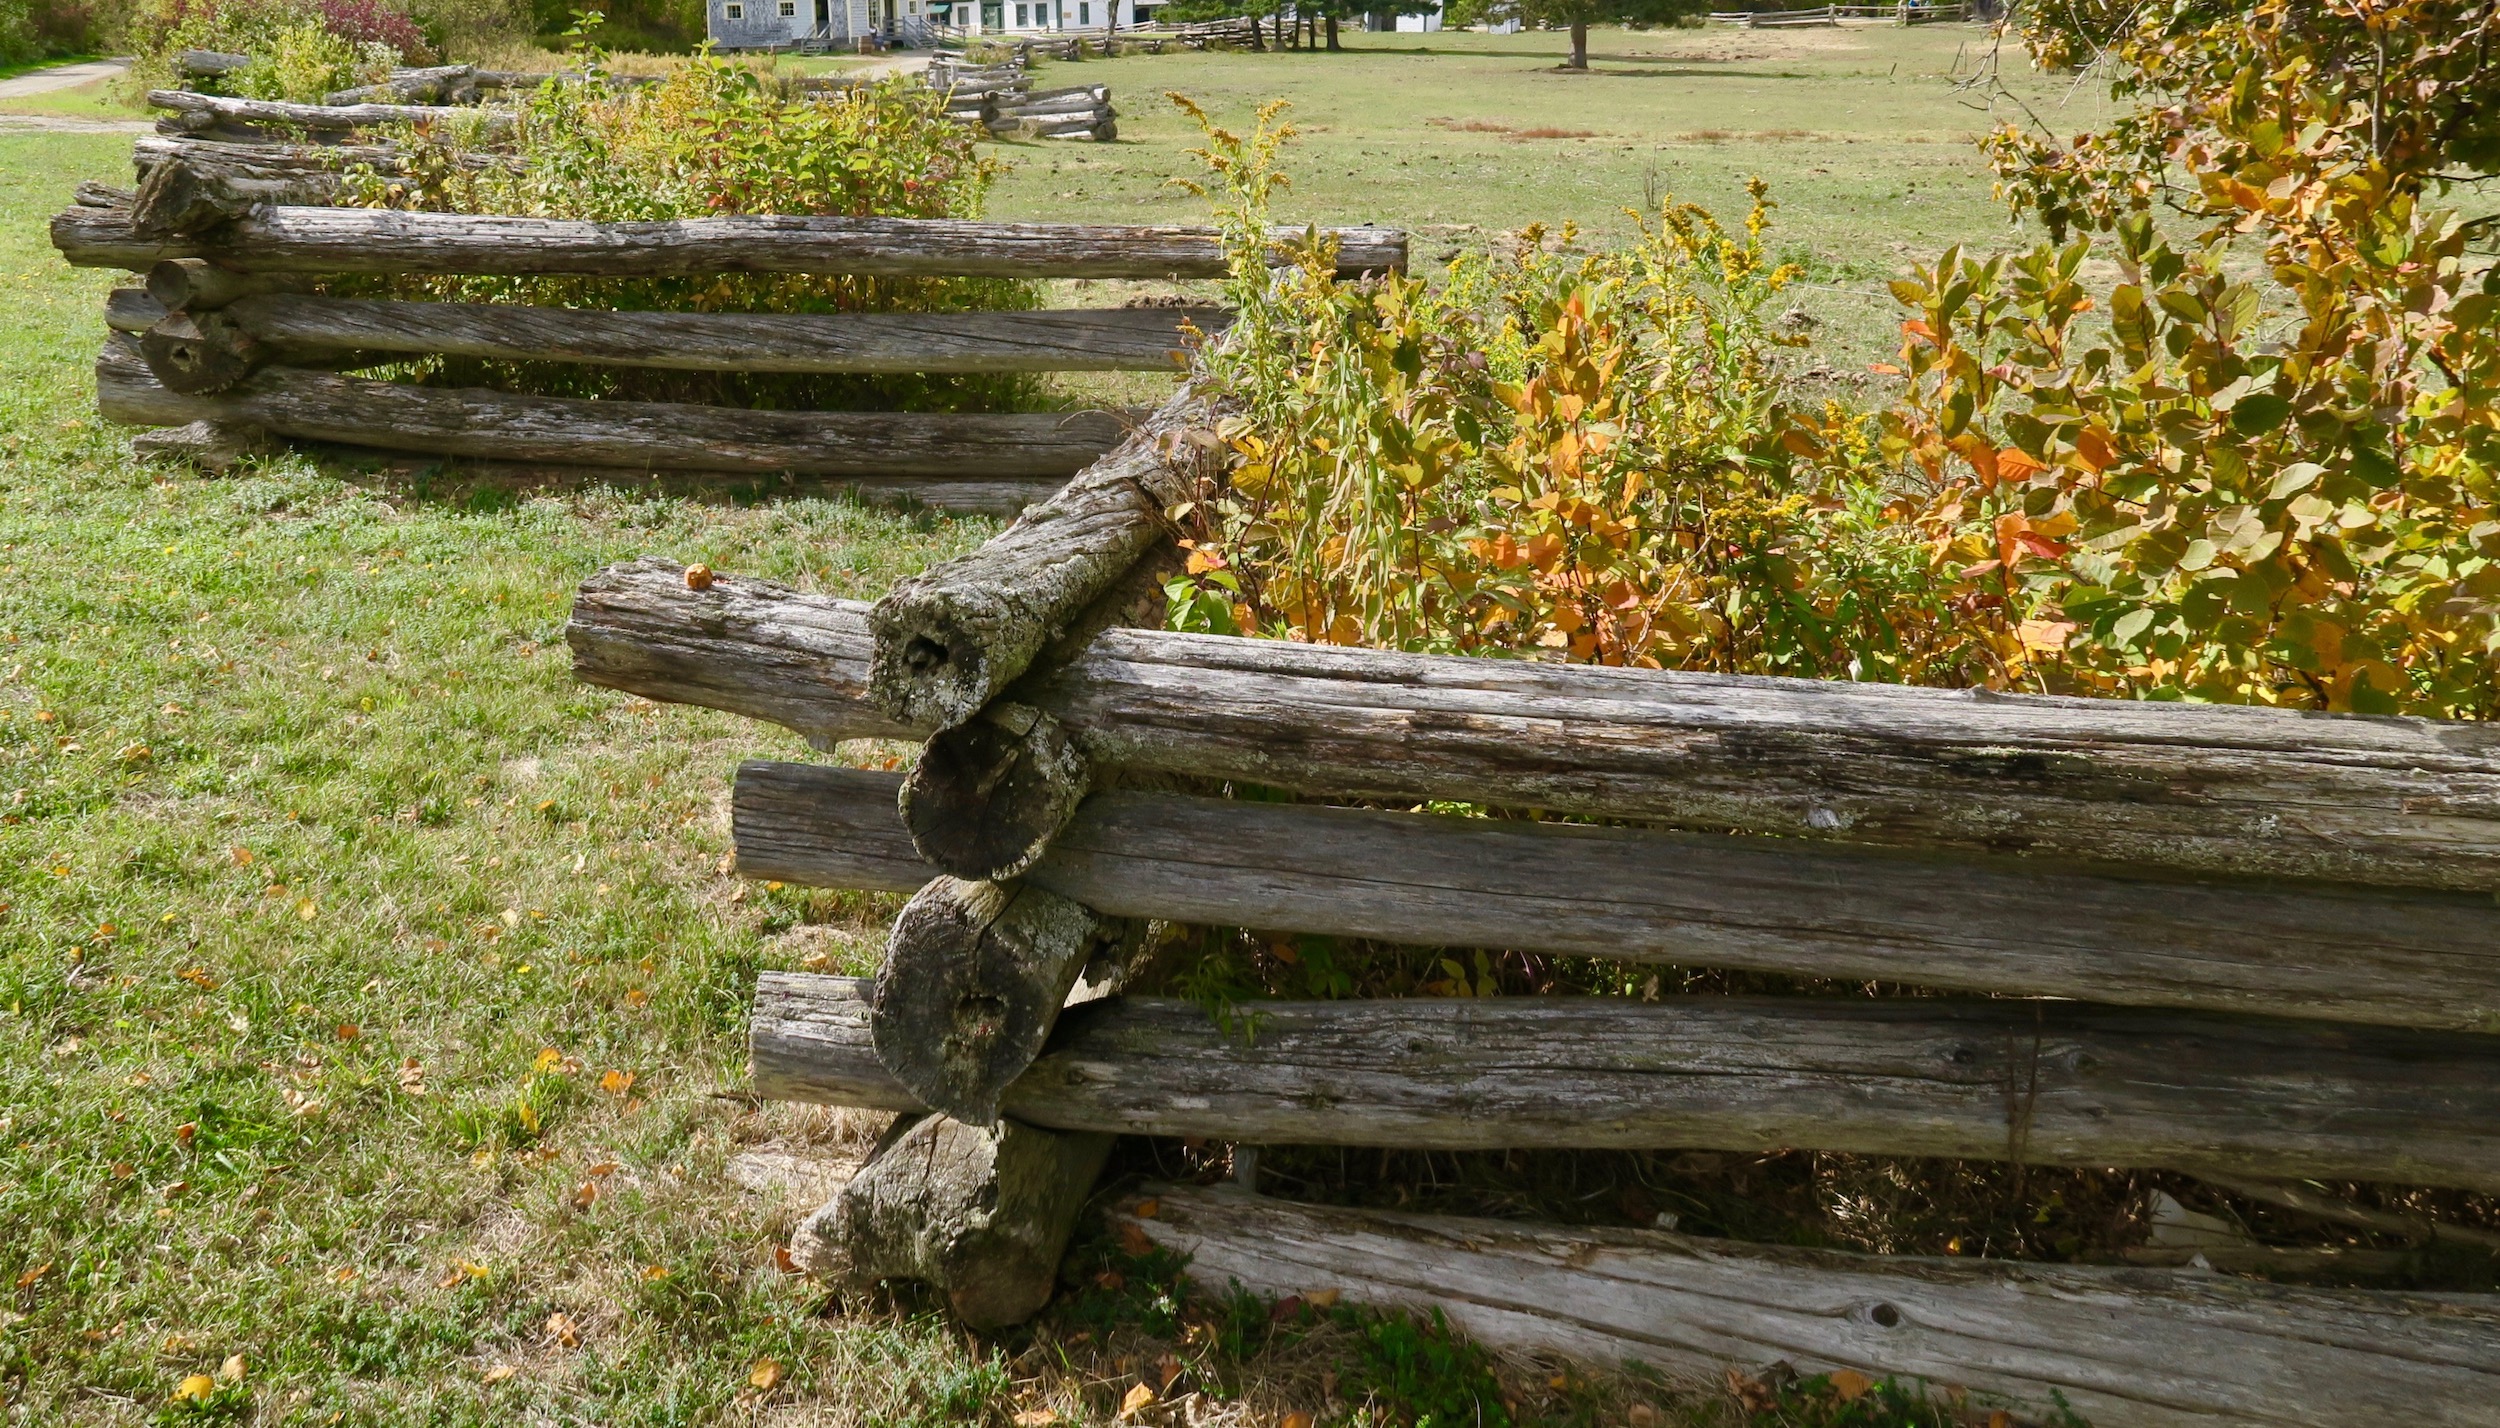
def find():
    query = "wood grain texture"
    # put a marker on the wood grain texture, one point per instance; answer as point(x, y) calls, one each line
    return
point(973, 980)
point(747, 646)
point(954, 635)
point(323, 406)
point(198, 113)
point(299, 328)
point(2200, 788)
point(195, 285)
point(2126, 1348)
point(365, 240)
point(981, 1214)
point(1991, 925)
point(132, 310)
point(2046, 1083)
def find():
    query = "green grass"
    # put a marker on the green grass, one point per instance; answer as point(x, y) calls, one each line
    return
point(301, 812)
point(1861, 132)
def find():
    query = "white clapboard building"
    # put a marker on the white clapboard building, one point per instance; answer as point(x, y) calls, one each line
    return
point(842, 24)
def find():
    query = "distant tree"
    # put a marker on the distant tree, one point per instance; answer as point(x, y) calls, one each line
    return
point(1577, 15)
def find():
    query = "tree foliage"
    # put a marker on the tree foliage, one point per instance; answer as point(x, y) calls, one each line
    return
point(1573, 15)
point(2258, 481)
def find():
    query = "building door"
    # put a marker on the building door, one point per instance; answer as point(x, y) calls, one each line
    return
point(993, 15)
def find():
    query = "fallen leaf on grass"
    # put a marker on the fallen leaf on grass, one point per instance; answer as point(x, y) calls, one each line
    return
point(1137, 1401)
point(586, 1195)
point(783, 1261)
point(1850, 1384)
point(617, 1083)
point(1134, 1241)
point(231, 1371)
point(27, 1280)
point(767, 1374)
point(194, 1388)
point(1295, 1419)
point(1036, 1418)
point(1323, 1298)
point(564, 1330)
point(499, 1373)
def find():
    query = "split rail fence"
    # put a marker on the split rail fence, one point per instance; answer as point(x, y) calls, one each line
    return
point(2251, 945)
point(228, 343)
point(1000, 97)
point(1900, 14)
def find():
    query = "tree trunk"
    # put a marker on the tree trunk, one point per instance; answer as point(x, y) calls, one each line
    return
point(973, 980)
point(321, 406)
point(396, 242)
point(2043, 1083)
point(982, 1215)
point(2122, 1348)
point(1333, 46)
point(1768, 905)
point(953, 636)
point(1579, 45)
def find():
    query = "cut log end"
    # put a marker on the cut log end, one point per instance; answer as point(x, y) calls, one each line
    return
point(983, 1215)
point(199, 353)
point(175, 200)
point(988, 795)
point(943, 654)
point(974, 977)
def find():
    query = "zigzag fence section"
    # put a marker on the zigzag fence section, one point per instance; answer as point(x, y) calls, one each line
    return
point(226, 341)
point(2250, 945)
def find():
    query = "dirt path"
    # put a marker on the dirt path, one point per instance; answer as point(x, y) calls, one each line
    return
point(66, 76)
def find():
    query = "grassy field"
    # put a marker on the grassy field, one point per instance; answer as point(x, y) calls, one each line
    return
point(372, 997)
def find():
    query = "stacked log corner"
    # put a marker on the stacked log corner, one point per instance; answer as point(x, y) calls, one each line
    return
point(2273, 934)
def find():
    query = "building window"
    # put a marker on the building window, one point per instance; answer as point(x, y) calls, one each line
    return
point(1084, 12)
point(1022, 19)
point(789, 9)
point(733, 10)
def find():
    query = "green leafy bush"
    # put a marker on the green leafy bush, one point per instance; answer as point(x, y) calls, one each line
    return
point(711, 139)
point(1568, 455)
point(300, 49)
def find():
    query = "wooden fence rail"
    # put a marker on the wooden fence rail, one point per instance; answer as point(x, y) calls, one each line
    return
point(1772, 905)
point(2124, 1348)
point(2195, 788)
point(2040, 1083)
point(384, 241)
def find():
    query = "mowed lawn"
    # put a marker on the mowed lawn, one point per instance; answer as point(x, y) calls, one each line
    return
point(372, 997)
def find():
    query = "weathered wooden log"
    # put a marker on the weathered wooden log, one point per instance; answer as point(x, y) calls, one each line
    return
point(1773, 905)
point(210, 64)
point(982, 1215)
point(298, 330)
point(132, 310)
point(430, 85)
point(735, 643)
point(368, 240)
point(197, 285)
point(96, 236)
point(973, 980)
point(89, 194)
point(2415, 1229)
point(179, 198)
point(194, 353)
point(190, 113)
point(2207, 788)
point(2122, 1348)
point(321, 406)
point(1082, 101)
point(2042, 1083)
point(315, 167)
point(956, 634)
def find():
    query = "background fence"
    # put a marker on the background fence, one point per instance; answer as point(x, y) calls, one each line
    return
point(231, 342)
